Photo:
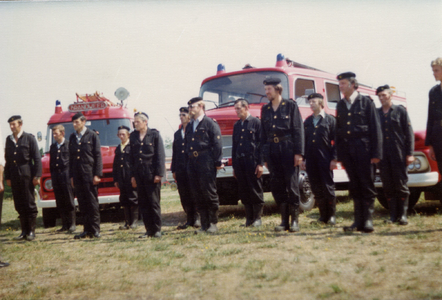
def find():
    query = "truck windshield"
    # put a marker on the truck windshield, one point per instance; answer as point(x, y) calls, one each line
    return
point(107, 131)
point(225, 90)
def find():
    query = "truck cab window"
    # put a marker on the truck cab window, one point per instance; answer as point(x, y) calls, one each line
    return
point(303, 88)
point(333, 95)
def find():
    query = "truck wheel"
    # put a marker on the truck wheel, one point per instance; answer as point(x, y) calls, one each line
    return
point(307, 199)
point(49, 217)
point(415, 194)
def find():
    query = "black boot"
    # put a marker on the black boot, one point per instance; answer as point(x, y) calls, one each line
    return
point(392, 206)
point(284, 208)
point(205, 222)
point(368, 215)
point(133, 210)
point(126, 218)
point(294, 212)
point(189, 221)
point(197, 223)
point(249, 215)
point(257, 213)
point(213, 220)
point(63, 222)
point(148, 233)
point(30, 236)
point(402, 206)
point(322, 205)
point(331, 208)
point(71, 222)
point(23, 225)
point(358, 224)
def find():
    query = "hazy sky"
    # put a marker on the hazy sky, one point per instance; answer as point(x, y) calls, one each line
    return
point(161, 50)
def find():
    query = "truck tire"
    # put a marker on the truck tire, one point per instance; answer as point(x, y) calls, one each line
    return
point(415, 194)
point(49, 217)
point(307, 199)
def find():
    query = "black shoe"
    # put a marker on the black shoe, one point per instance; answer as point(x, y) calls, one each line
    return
point(184, 226)
point(156, 235)
point(82, 235)
point(403, 221)
point(22, 236)
point(146, 235)
point(351, 228)
point(62, 229)
point(124, 227)
point(197, 223)
point(212, 228)
point(368, 227)
point(30, 236)
point(332, 221)
point(284, 208)
point(95, 235)
point(256, 223)
point(72, 229)
point(3, 264)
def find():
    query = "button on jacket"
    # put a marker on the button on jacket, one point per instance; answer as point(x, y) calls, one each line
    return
point(247, 140)
point(22, 158)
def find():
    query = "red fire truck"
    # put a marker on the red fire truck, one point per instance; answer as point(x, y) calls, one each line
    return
point(104, 117)
point(298, 81)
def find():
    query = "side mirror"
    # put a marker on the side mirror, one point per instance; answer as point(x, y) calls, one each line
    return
point(39, 136)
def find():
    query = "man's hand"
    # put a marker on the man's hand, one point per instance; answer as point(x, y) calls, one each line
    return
point(134, 182)
point(375, 160)
point(258, 171)
point(36, 181)
point(2, 188)
point(432, 154)
point(8, 182)
point(298, 159)
point(303, 165)
point(220, 167)
point(333, 164)
point(96, 180)
point(409, 159)
point(157, 179)
point(174, 176)
point(116, 185)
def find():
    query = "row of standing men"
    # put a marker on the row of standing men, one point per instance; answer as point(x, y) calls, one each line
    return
point(359, 137)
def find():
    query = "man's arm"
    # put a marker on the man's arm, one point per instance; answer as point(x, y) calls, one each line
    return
point(2, 188)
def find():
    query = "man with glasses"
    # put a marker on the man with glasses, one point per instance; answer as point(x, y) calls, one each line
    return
point(179, 171)
point(204, 148)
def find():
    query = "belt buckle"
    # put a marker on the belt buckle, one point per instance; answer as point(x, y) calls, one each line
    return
point(276, 140)
point(195, 153)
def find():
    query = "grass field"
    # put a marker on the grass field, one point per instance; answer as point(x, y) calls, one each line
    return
point(319, 262)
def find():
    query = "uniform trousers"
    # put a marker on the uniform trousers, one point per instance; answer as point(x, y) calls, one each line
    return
point(187, 200)
point(249, 187)
point(322, 184)
point(284, 182)
point(394, 176)
point(87, 196)
point(24, 197)
point(149, 204)
point(64, 193)
point(202, 172)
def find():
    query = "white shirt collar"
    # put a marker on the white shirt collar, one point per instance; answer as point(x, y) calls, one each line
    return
point(18, 136)
point(82, 132)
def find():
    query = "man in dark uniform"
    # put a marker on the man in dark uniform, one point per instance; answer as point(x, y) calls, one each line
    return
point(147, 162)
point(204, 148)
point(359, 147)
point(85, 171)
point(22, 172)
point(63, 191)
point(179, 171)
point(283, 148)
point(122, 175)
point(320, 157)
point(434, 122)
point(247, 162)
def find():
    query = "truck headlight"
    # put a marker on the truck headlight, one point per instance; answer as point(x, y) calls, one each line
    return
point(48, 185)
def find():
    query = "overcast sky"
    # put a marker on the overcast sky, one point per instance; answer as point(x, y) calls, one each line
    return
point(161, 50)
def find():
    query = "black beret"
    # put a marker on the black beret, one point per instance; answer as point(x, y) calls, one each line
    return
point(315, 95)
point(77, 116)
point(271, 81)
point(141, 113)
point(13, 118)
point(124, 127)
point(184, 110)
point(346, 75)
point(193, 100)
point(382, 88)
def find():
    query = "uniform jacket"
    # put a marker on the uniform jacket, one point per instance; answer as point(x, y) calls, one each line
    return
point(319, 139)
point(434, 125)
point(285, 122)
point(121, 167)
point(206, 138)
point(59, 163)
point(179, 153)
point(397, 132)
point(360, 122)
point(85, 160)
point(246, 140)
point(22, 158)
point(147, 157)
